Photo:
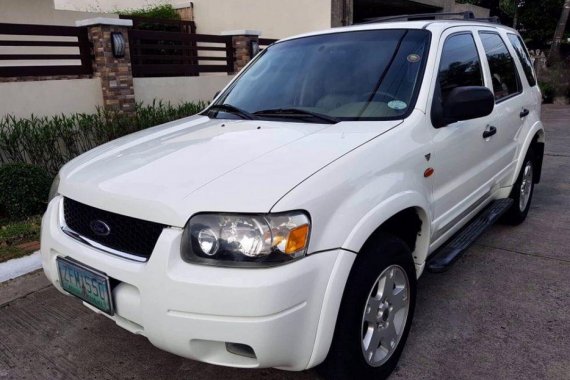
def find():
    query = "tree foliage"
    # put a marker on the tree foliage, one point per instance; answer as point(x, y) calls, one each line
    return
point(537, 21)
point(536, 18)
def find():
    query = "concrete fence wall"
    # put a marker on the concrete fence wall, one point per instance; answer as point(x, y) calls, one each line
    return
point(50, 97)
point(179, 89)
point(55, 97)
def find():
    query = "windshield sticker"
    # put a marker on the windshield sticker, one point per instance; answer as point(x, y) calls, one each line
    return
point(397, 105)
point(413, 58)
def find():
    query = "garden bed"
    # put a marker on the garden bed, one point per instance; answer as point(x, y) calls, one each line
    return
point(19, 238)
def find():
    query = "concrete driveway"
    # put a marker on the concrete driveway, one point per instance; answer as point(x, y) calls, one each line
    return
point(503, 310)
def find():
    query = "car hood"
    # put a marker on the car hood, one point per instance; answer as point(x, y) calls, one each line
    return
point(167, 173)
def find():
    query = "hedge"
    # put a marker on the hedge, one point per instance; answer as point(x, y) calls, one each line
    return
point(50, 142)
point(25, 190)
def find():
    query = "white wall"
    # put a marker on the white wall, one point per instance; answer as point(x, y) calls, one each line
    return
point(274, 18)
point(50, 97)
point(40, 12)
point(179, 89)
point(477, 11)
point(108, 5)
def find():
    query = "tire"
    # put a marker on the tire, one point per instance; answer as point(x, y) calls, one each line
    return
point(522, 192)
point(383, 257)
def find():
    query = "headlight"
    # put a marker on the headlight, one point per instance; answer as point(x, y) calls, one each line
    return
point(53, 189)
point(246, 240)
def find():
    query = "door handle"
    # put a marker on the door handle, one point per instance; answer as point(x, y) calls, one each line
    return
point(490, 131)
point(524, 113)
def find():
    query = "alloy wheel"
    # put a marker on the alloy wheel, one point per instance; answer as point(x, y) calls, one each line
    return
point(385, 315)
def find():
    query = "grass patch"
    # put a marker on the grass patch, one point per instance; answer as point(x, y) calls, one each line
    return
point(16, 237)
point(9, 253)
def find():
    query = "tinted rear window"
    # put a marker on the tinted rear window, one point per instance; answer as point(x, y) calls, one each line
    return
point(524, 57)
point(503, 70)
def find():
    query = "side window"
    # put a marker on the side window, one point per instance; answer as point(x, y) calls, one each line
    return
point(460, 64)
point(503, 70)
point(524, 57)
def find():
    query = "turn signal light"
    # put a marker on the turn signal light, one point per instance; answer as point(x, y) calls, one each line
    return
point(297, 239)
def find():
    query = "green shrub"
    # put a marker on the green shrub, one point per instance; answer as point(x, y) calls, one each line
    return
point(25, 190)
point(548, 92)
point(164, 11)
point(50, 142)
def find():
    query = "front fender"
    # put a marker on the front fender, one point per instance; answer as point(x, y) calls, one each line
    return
point(384, 211)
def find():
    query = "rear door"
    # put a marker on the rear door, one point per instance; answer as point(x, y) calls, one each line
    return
point(510, 103)
point(531, 97)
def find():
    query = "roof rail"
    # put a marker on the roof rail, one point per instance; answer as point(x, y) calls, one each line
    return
point(469, 15)
point(492, 19)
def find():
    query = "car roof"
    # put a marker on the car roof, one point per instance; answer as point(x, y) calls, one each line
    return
point(432, 25)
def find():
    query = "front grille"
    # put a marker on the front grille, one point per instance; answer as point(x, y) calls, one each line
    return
point(122, 233)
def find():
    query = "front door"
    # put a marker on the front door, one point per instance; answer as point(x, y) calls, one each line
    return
point(462, 155)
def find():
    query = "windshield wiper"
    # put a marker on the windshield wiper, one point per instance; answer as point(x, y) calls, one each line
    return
point(233, 110)
point(297, 112)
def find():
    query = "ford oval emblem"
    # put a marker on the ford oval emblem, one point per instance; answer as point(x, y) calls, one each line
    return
point(100, 228)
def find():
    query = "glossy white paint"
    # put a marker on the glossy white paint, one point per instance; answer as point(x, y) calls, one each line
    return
point(168, 173)
point(350, 177)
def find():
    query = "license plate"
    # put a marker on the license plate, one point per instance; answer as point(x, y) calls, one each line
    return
point(85, 283)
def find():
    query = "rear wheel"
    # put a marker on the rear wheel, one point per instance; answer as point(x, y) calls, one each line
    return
point(522, 192)
point(375, 314)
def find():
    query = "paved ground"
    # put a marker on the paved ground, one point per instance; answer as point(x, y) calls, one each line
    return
point(503, 311)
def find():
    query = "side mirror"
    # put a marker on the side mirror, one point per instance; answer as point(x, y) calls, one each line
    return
point(463, 103)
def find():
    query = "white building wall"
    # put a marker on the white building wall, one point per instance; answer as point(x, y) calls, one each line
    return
point(41, 12)
point(274, 18)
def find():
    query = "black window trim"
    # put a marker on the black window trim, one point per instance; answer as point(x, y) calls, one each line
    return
point(437, 68)
point(521, 88)
point(470, 32)
point(519, 38)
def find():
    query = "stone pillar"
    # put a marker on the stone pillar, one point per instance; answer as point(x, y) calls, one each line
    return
point(243, 41)
point(342, 12)
point(115, 73)
point(185, 10)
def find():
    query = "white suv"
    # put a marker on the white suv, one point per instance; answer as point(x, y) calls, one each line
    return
point(286, 225)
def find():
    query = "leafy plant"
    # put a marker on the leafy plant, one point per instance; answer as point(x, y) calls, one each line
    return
point(50, 142)
point(25, 189)
point(548, 92)
point(163, 11)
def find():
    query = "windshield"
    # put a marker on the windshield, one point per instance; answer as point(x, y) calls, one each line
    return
point(364, 75)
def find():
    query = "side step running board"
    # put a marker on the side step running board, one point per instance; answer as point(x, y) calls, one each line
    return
point(444, 257)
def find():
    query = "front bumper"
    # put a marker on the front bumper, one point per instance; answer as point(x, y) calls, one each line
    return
point(286, 314)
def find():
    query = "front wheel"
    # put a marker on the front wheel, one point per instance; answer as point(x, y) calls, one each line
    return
point(522, 192)
point(375, 314)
